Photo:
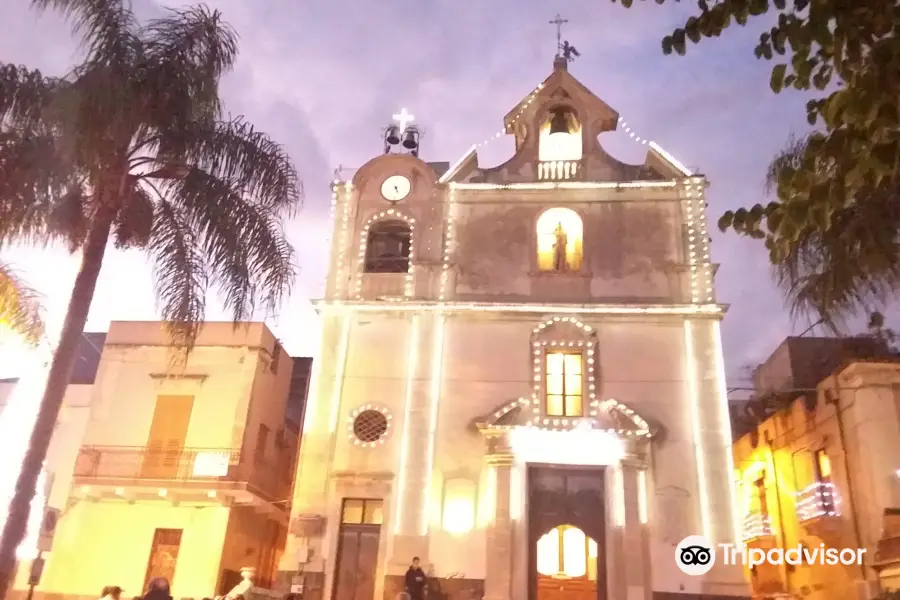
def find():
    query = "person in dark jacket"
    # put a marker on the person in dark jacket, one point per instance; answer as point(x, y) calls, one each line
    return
point(158, 589)
point(415, 580)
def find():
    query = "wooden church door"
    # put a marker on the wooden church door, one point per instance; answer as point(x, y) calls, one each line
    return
point(357, 553)
point(566, 525)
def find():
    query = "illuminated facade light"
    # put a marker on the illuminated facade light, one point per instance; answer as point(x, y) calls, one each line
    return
point(756, 525)
point(484, 307)
point(818, 499)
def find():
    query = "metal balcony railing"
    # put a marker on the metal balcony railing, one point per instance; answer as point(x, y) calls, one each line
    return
point(158, 466)
point(818, 499)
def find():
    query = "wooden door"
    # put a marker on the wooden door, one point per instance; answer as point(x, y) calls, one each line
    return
point(357, 555)
point(566, 532)
point(163, 555)
point(168, 432)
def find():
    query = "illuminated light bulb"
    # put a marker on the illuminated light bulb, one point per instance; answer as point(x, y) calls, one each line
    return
point(211, 494)
point(163, 493)
point(120, 491)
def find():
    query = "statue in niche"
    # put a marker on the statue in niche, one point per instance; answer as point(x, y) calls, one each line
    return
point(560, 260)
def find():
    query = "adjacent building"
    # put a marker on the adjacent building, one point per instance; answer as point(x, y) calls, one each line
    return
point(521, 377)
point(822, 469)
point(184, 473)
point(70, 427)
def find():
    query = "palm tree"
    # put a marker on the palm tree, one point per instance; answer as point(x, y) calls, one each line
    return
point(847, 266)
point(132, 146)
point(20, 308)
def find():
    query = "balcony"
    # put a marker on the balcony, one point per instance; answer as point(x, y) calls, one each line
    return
point(558, 170)
point(819, 499)
point(211, 474)
point(757, 526)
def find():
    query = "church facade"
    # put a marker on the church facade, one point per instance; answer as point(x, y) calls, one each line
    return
point(521, 379)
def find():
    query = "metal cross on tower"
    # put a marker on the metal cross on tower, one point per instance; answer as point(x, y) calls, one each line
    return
point(559, 22)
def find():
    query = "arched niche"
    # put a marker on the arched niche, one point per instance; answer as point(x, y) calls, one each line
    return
point(560, 240)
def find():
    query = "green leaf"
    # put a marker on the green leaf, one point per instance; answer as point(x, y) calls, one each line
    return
point(667, 45)
point(678, 41)
point(726, 221)
point(692, 29)
point(776, 82)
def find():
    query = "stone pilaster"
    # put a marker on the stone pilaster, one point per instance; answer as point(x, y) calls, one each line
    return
point(315, 460)
point(498, 579)
point(616, 560)
point(635, 542)
point(414, 470)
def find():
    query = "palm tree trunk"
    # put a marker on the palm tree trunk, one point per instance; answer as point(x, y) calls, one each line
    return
point(57, 382)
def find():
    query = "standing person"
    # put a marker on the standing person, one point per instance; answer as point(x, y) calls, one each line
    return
point(158, 589)
point(415, 580)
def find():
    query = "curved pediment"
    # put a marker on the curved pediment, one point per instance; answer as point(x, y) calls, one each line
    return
point(381, 166)
point(606, 415)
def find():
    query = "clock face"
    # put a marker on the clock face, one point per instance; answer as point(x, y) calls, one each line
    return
point(395, 188)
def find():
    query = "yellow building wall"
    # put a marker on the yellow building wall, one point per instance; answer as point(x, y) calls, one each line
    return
point(783, 448)
point(107, 543)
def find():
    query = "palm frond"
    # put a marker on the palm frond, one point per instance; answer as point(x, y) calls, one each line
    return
point(234, 151)
point(20, 306)
point(179, 273)
point(35, 181)
point(106, 28)
point(195, 36)
point(186, 53)
point(25, 95)
point(247, 254)
point(850, 268)
point(788, 158)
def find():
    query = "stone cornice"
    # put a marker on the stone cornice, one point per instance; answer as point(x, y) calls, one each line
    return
point(715, 311)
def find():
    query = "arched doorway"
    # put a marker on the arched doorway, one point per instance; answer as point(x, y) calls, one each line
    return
point(566, 526)
point(567, 562)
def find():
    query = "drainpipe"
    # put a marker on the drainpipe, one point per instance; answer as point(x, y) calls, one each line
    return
point(781, 535)
point(842, 438)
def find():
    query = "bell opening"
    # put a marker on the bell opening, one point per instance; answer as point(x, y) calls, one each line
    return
point(560, 136)
point(560, 122)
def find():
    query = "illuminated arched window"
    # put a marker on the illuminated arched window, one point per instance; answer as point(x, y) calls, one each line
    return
point(559, 240)
point(388, 247)
point(560, 137)
point(565, 552)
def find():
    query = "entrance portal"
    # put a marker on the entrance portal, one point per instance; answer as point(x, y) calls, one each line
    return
point(566, 517)
point(357, 554)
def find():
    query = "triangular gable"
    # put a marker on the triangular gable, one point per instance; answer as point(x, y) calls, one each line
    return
point(561, 83)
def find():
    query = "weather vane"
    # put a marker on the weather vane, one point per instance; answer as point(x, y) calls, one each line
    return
point(564, 49)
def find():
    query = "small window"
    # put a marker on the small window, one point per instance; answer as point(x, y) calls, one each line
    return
point(823, 466)
point(358, 511)
point(262, 440)
point(388, 247)
point(564, 385)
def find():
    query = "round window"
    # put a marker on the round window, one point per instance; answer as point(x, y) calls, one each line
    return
point(369, 426)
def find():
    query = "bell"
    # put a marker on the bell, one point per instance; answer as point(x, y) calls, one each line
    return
point(392, 135)
point(559, 123)
point(410, 139)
